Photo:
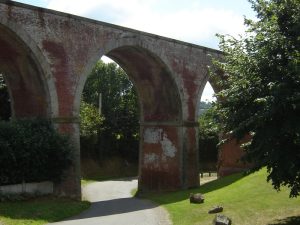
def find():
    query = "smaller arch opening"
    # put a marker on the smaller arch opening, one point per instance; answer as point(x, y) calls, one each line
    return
point(208, 133)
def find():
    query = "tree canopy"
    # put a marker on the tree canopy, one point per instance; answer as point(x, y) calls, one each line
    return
point(261, 90)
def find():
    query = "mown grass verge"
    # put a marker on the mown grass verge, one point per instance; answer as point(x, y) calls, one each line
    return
point(247, 200)
point(39, 211)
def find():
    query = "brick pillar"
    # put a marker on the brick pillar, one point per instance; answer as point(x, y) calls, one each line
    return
point(160, 157)
point(168, 157)
point(190, 154)
point(70, 185)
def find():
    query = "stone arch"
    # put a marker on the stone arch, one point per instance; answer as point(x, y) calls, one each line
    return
point(160, 164)
point(158, 93)
point(27, 74)
point(147, 71)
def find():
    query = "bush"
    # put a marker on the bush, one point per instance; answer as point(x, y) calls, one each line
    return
point(32, 151)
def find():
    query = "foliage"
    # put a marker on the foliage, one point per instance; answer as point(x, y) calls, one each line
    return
point(208, 136)
point(246, 200)
point(261, 93)
point(118, 133)
point(39, 211)
point(91, 120)
point(32, 151)
point(5, 111)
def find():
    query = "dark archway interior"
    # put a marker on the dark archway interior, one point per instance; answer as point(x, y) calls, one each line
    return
point(158, 93)
point(22, 76)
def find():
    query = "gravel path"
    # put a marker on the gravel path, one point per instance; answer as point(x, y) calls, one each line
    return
point(112, 204)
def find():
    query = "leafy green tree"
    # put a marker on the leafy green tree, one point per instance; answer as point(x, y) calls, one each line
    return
point(208, 137)
point(91, 121)
point(120, 127)
point(261, 94)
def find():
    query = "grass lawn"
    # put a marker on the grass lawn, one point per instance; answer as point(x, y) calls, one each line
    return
point(39, 211)
point(247, 200)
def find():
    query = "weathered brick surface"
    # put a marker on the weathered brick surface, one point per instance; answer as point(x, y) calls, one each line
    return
point(229, 160)
point(56, 52)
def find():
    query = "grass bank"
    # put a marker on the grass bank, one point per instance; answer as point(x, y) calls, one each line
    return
point(248, 200)
point(39, 211)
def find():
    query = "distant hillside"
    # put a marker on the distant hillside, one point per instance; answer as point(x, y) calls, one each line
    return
point(203, 106)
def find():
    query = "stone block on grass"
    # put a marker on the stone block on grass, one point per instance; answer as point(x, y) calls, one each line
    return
point(216, 209)
point(221, 220)
point(196, 198)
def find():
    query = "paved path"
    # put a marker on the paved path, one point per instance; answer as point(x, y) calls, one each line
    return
point(112, 204)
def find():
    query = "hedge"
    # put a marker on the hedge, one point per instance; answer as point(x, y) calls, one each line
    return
point(32, 151)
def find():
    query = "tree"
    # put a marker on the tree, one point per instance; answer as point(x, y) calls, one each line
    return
point(261, 94)
point(120, 127)
point(208, 137)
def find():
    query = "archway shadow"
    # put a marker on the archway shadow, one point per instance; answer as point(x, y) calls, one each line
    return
point(293, 220)
point(114, 207)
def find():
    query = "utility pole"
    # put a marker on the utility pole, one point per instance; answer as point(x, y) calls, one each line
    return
point(100, 103)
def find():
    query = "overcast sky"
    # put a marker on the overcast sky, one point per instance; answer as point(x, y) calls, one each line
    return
point(194, 21)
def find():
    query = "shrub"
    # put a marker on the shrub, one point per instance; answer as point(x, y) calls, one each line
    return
point(32, 151)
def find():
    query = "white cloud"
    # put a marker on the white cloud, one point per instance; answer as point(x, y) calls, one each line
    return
point(191, 23)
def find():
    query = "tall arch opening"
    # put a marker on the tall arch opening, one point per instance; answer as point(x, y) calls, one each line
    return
point(109, 132)
point(158, 94)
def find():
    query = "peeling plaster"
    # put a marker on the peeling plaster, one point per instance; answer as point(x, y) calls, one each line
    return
point(169, 149)
point(157, 136)
point(152, 135)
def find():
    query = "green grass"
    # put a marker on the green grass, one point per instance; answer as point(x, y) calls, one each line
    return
point(247, 200)
point(39, 211)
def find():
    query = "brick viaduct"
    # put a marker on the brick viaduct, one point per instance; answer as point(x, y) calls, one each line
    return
point(46, 55)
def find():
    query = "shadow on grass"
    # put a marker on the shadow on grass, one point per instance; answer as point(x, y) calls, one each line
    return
point(182, 195)
point(39, 210)
point(294, 220)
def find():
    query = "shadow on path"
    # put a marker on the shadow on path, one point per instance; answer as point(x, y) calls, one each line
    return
point(114, 207)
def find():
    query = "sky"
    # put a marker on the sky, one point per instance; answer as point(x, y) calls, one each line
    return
point(194, 21)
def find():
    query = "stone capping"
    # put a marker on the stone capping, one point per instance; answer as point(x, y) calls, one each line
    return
point(45, 187)
point(75, 17)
